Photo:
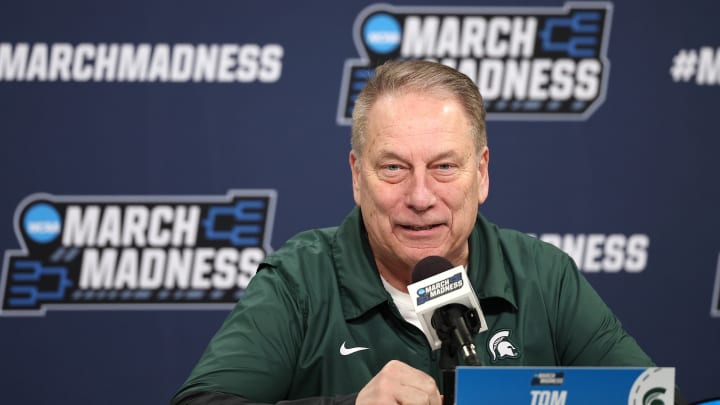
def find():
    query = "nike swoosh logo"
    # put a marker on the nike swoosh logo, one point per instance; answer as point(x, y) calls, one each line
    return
point(347, 351)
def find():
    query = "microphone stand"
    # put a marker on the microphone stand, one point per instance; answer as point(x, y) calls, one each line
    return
point(455, 325)
point(448, 362)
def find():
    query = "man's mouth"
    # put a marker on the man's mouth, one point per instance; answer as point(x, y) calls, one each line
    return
point(419, 227)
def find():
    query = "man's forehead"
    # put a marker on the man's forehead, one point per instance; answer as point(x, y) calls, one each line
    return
point(399, 152)
point(391, 118)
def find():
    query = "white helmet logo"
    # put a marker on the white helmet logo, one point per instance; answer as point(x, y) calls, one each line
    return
point(500, 348)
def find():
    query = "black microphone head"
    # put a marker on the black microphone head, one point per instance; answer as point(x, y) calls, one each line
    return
point(429, 267)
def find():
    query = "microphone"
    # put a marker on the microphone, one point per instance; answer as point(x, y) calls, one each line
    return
point(448, 308)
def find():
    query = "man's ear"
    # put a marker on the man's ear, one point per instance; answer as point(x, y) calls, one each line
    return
point(483, 175)
point(355, 170)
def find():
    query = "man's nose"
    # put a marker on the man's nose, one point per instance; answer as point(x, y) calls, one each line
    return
point(421, 196)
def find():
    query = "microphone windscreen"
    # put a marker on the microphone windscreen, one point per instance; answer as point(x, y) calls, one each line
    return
point(430, 266)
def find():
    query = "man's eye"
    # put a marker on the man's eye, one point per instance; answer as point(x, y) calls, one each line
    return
point(446, 167)
point(446, 170)
point(392, 172)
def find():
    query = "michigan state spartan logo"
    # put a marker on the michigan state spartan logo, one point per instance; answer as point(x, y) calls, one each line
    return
point(501, 348)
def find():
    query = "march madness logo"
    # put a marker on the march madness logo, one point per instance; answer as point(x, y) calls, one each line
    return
point(529, 63)
point(439, 288)
point(136, 252)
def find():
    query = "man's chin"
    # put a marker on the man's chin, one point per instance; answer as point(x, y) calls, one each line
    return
point(418, 254)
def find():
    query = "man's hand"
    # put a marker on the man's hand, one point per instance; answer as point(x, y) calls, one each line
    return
point(398, 383)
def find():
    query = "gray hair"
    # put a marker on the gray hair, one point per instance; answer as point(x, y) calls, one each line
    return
point(416, 75)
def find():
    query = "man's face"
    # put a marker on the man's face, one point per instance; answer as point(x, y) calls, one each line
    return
point(419, 179)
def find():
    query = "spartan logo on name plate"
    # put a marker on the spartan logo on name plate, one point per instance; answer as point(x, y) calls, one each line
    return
point(135, 252)
point(655, 386)
point(530, 63)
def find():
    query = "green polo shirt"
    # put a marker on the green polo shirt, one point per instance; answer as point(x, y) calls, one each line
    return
point(321, 292)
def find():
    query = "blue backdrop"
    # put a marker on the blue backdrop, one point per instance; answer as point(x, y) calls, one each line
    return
point(164, 102)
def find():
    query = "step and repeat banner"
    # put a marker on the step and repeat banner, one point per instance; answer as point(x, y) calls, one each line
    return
point(153, 153)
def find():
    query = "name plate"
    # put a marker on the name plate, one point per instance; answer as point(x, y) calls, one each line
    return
point(565, 385)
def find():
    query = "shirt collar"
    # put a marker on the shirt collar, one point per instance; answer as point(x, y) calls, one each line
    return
point(488, 270)
point(358, 277)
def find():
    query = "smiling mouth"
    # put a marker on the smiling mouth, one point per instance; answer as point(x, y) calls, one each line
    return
point(419, 228)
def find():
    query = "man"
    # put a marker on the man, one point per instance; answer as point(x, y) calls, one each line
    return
point(327, 319)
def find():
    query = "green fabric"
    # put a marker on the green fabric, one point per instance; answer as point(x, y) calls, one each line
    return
point(283, 339)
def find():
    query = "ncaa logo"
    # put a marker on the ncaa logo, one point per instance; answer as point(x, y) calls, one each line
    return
point(42, 223)
point(382, 33)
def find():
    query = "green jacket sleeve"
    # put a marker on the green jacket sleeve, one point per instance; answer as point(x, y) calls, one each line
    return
point(254, 353)
point(586, 331)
